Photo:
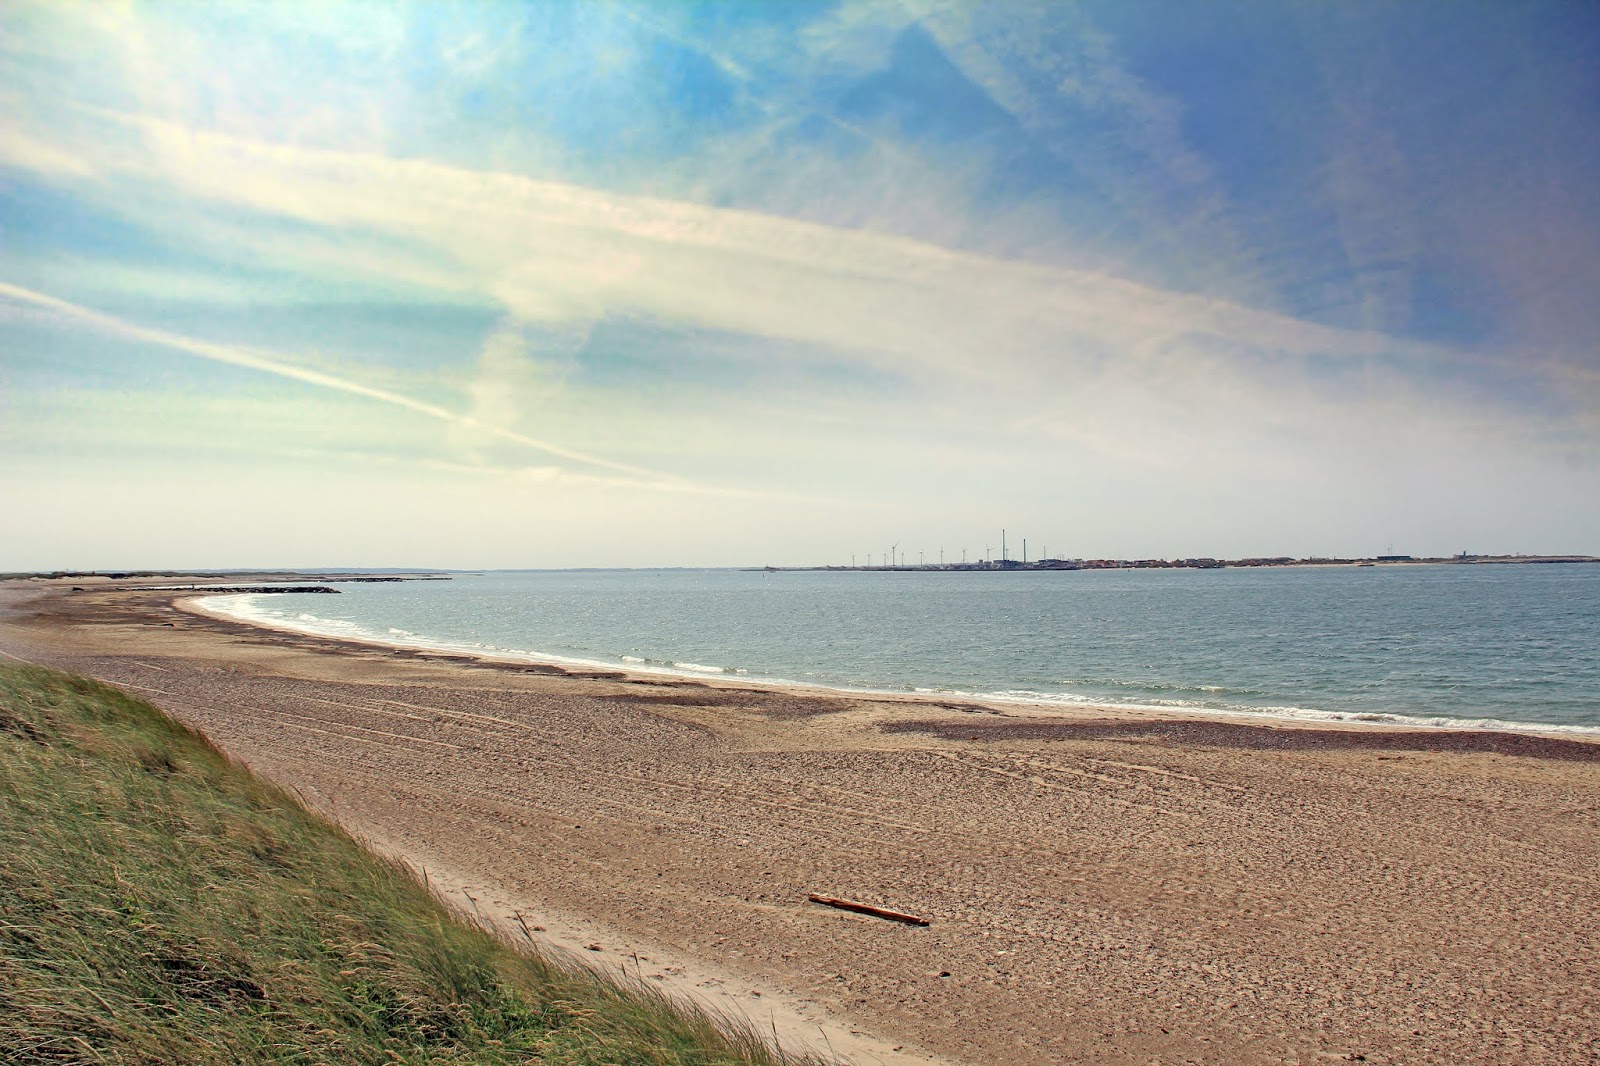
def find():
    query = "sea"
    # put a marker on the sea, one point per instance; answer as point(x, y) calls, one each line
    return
point(1485, 646)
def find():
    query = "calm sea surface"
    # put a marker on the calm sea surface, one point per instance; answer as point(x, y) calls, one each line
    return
point(1488, 645)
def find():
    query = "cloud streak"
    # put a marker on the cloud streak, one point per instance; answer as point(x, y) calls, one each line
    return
point(1039, 338)
point(233, 355)
point(1058, 75)
point(552, 251)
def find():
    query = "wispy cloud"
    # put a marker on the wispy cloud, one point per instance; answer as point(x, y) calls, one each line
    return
point(1053, 70)
point(562, 256)
point(279, 367)
point(552, 251)
point(1369, 183)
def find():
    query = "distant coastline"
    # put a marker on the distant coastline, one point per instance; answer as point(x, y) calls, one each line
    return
point(1201, 563)
point(202, 579)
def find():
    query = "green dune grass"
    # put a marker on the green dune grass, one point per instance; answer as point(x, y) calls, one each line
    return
point(158, 903)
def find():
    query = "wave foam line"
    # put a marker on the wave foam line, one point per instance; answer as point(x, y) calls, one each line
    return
point(247, 608)
point(1285, 713)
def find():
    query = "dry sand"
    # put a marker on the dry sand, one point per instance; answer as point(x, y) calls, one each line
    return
point(1101, 888)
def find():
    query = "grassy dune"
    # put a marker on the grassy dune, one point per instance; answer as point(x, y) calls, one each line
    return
point(160, 904)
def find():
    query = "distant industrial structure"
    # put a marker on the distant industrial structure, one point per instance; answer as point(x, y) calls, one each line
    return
point(894, 560)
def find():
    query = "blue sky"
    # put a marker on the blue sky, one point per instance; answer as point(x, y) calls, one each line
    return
point(714, 284)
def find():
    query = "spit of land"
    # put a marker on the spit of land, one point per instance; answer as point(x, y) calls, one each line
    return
point(1099, 887)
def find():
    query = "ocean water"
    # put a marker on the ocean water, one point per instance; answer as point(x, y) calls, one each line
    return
point(1494, 646)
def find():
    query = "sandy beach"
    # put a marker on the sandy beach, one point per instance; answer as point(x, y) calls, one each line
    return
point(1099, 887)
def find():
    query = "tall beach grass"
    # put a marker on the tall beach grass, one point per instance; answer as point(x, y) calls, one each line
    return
point(158, 903)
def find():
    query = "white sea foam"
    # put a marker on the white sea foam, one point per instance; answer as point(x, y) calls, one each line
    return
point(248, 608)
point(257, 609)
point(1283, 713)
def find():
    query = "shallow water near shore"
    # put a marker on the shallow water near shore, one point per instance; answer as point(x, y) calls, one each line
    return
point(1493, 646)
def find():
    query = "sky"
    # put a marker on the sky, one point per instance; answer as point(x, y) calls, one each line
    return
point(697, 284)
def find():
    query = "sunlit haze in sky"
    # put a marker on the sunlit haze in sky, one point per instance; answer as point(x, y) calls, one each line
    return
point(630, 284)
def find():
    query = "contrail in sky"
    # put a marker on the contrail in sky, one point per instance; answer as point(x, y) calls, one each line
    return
point(223, 353)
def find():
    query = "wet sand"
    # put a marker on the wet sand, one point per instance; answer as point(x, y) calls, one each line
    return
point(1101, 887)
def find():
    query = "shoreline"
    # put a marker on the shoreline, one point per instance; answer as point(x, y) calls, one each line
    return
point(1042, 706)
point(796, 1023)
point(1108, 888)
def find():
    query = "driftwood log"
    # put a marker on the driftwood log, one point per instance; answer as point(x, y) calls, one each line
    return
point(866, 908)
